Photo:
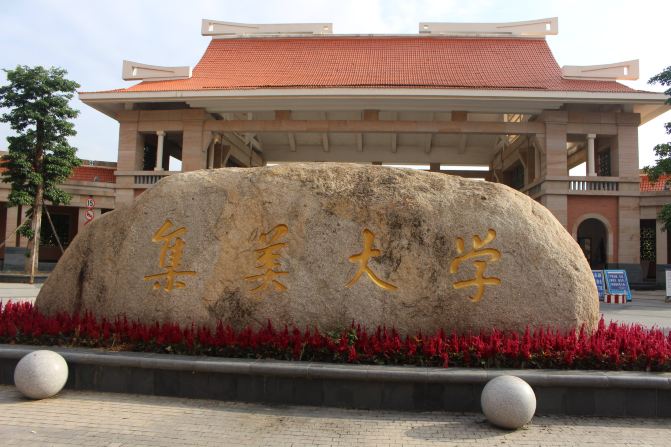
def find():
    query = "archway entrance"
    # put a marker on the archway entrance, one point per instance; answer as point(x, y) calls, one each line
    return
point(593, 239)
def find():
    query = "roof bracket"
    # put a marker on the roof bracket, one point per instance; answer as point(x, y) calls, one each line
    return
point(627, 70)
point(231, 29)
point(135, 71)
point(530, 28)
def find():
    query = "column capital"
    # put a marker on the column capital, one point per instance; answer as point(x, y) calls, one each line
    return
point(591, 136)
point(160, 133)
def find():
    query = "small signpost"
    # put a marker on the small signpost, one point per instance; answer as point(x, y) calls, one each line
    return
point(600, 280)
point(88, 214)
point(617, 283)
point(668, 285)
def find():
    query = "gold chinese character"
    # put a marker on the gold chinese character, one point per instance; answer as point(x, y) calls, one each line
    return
point(479, 281)
point(268, 260)
point(171, 257)
point(363, 258)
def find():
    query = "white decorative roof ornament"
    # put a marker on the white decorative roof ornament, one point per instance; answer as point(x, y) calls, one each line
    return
point(215, 28)
point(627, 70)
point(135, 71)
point(530, 28)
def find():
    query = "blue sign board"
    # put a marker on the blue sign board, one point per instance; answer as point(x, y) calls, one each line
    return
point(600, 280)
point(617, 282)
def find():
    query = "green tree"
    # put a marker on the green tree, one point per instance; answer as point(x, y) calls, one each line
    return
point(39, 156)
point(663, 150)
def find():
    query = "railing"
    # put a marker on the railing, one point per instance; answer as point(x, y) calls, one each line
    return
point(143, 179)
point(150, 179)
point(592, 185)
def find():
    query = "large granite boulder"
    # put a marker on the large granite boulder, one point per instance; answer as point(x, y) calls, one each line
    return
point(328, 244)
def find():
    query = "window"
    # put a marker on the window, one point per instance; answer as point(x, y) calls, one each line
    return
point(149, 157)
point(648, 240)
point(603, 163)
point(517, 177)
point(62, 225)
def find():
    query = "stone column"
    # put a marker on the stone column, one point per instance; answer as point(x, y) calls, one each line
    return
point(159, 150)
point(194, 148)
point(558, 205)
point(124, 196)
point(624, 147)
point(590, 155)
point(555, 163)
point(130, 157)
point(10, 226)
point(556, 155)
point(131, 143)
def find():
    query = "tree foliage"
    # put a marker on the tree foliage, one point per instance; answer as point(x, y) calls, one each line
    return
point(663, 150)
point(39, 155)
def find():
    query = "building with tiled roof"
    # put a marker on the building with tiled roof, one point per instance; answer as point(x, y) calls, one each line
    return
point(442, 62)
point(663, 183)
point(451, 97)
point(91, 183)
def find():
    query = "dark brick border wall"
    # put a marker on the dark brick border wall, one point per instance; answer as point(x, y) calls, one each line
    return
point(592, 393)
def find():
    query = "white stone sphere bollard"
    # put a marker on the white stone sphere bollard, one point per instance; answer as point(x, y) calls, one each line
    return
point(41, 374)
point(508, 402)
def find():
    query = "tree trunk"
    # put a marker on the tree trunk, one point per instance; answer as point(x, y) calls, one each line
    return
point(34, 243)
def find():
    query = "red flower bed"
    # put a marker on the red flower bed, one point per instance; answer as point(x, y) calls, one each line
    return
point(611, 347)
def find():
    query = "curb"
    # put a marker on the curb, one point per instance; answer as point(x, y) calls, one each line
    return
point(597, 393)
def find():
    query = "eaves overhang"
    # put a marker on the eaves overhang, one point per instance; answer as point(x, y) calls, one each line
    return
point(648, 104)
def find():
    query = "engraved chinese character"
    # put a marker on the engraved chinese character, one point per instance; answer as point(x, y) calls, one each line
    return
point(363, 258)
point(170, 258)
point(480, 281)
point(268, 260)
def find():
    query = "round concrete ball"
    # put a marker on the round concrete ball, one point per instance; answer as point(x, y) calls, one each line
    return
point(508, 402)
point(41, 374)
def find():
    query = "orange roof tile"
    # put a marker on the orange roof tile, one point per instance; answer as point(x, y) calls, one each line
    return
point(663, 183)
point(379, 61)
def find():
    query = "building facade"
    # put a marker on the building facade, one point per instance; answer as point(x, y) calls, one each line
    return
point(478, 100)
point(93, 183)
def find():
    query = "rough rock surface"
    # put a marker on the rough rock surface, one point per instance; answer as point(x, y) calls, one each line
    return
point(299, 244)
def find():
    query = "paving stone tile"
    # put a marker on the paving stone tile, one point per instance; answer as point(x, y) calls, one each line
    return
point(84, 418)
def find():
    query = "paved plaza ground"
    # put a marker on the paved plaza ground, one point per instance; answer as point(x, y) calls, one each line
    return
point(79, 418)
point(18, 292)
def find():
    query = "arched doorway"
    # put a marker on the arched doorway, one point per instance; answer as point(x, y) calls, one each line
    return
point(593, 239)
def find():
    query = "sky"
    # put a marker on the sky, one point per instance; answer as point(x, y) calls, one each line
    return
point(91, 38)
